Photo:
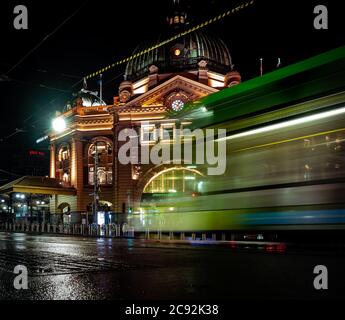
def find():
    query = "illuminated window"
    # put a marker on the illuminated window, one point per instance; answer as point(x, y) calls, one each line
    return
point(104, 152)
point(63, 164)
point(65, 178)
point(148, 134)
point(63, 153)
point(175, 180)
point(168, 132)
point(177, 52)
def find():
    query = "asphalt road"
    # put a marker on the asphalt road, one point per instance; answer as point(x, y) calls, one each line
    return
point(120, 269)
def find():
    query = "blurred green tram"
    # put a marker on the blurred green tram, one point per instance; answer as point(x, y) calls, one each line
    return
point(285, 157)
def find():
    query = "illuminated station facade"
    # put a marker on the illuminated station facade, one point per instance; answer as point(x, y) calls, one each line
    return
point(156, 86)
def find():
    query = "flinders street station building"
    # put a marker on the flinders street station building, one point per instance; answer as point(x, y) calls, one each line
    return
point(86, 176)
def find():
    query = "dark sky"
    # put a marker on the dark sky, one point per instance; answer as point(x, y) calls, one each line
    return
point(101, 32)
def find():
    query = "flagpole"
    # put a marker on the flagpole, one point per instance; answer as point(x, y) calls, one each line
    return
point(101, 87)
point(261, 67)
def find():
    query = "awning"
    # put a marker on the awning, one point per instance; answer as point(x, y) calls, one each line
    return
point(37, 185)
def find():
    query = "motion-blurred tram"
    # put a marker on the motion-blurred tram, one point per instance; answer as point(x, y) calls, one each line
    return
point(285, 157)
point(284, 175)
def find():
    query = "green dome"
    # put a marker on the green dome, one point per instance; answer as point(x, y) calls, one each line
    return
point(181, 55)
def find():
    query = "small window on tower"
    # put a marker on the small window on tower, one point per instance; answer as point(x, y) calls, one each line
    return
point(177, 52)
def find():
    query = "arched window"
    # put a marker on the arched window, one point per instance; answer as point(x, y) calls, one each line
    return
point(103, 150)
point(63, 153)
point(63, 164)
point(175, 180)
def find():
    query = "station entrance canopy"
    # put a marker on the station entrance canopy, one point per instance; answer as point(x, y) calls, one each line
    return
point(37, 185)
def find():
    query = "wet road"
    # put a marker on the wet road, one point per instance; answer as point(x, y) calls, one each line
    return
point(88, 268)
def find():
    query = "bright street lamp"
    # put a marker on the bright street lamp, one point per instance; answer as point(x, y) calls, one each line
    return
point(59, 124)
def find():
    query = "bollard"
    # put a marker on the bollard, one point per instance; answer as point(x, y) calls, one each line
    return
point(171, 236)
point(182, 236)
point(48, 227)
point(54, 228)
point(32, 227)
point(214, 237)
point(223, 237)
point(203, 236)
point(81, 229)
point(147, 235)
point(193, 236)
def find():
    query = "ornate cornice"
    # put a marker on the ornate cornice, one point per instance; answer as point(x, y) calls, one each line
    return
point(192, 88)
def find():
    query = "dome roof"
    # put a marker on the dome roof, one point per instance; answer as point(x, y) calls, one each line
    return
point(88, 99)
point(181, 55)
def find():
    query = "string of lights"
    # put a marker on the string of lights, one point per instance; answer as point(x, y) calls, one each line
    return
point(180, 35)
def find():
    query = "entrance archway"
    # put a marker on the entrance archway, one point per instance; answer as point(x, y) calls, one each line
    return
point(175, 180)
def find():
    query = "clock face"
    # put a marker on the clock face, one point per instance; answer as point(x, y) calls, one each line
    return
point(177, 105)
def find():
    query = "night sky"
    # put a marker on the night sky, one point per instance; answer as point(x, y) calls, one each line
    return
point(101, 32)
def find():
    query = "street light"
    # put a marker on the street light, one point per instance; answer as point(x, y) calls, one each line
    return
point(59, 124)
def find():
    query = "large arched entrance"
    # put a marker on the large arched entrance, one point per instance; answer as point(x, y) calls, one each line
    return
point(171, 183)
point(175, 180)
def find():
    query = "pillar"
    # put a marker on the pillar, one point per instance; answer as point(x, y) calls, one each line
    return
point(52, 160)
point(77, 168)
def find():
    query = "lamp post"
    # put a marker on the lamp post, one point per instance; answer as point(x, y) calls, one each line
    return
point(113, 112)
point(95, 184)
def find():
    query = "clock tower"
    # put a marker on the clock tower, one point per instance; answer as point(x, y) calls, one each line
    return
point(157, 86)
